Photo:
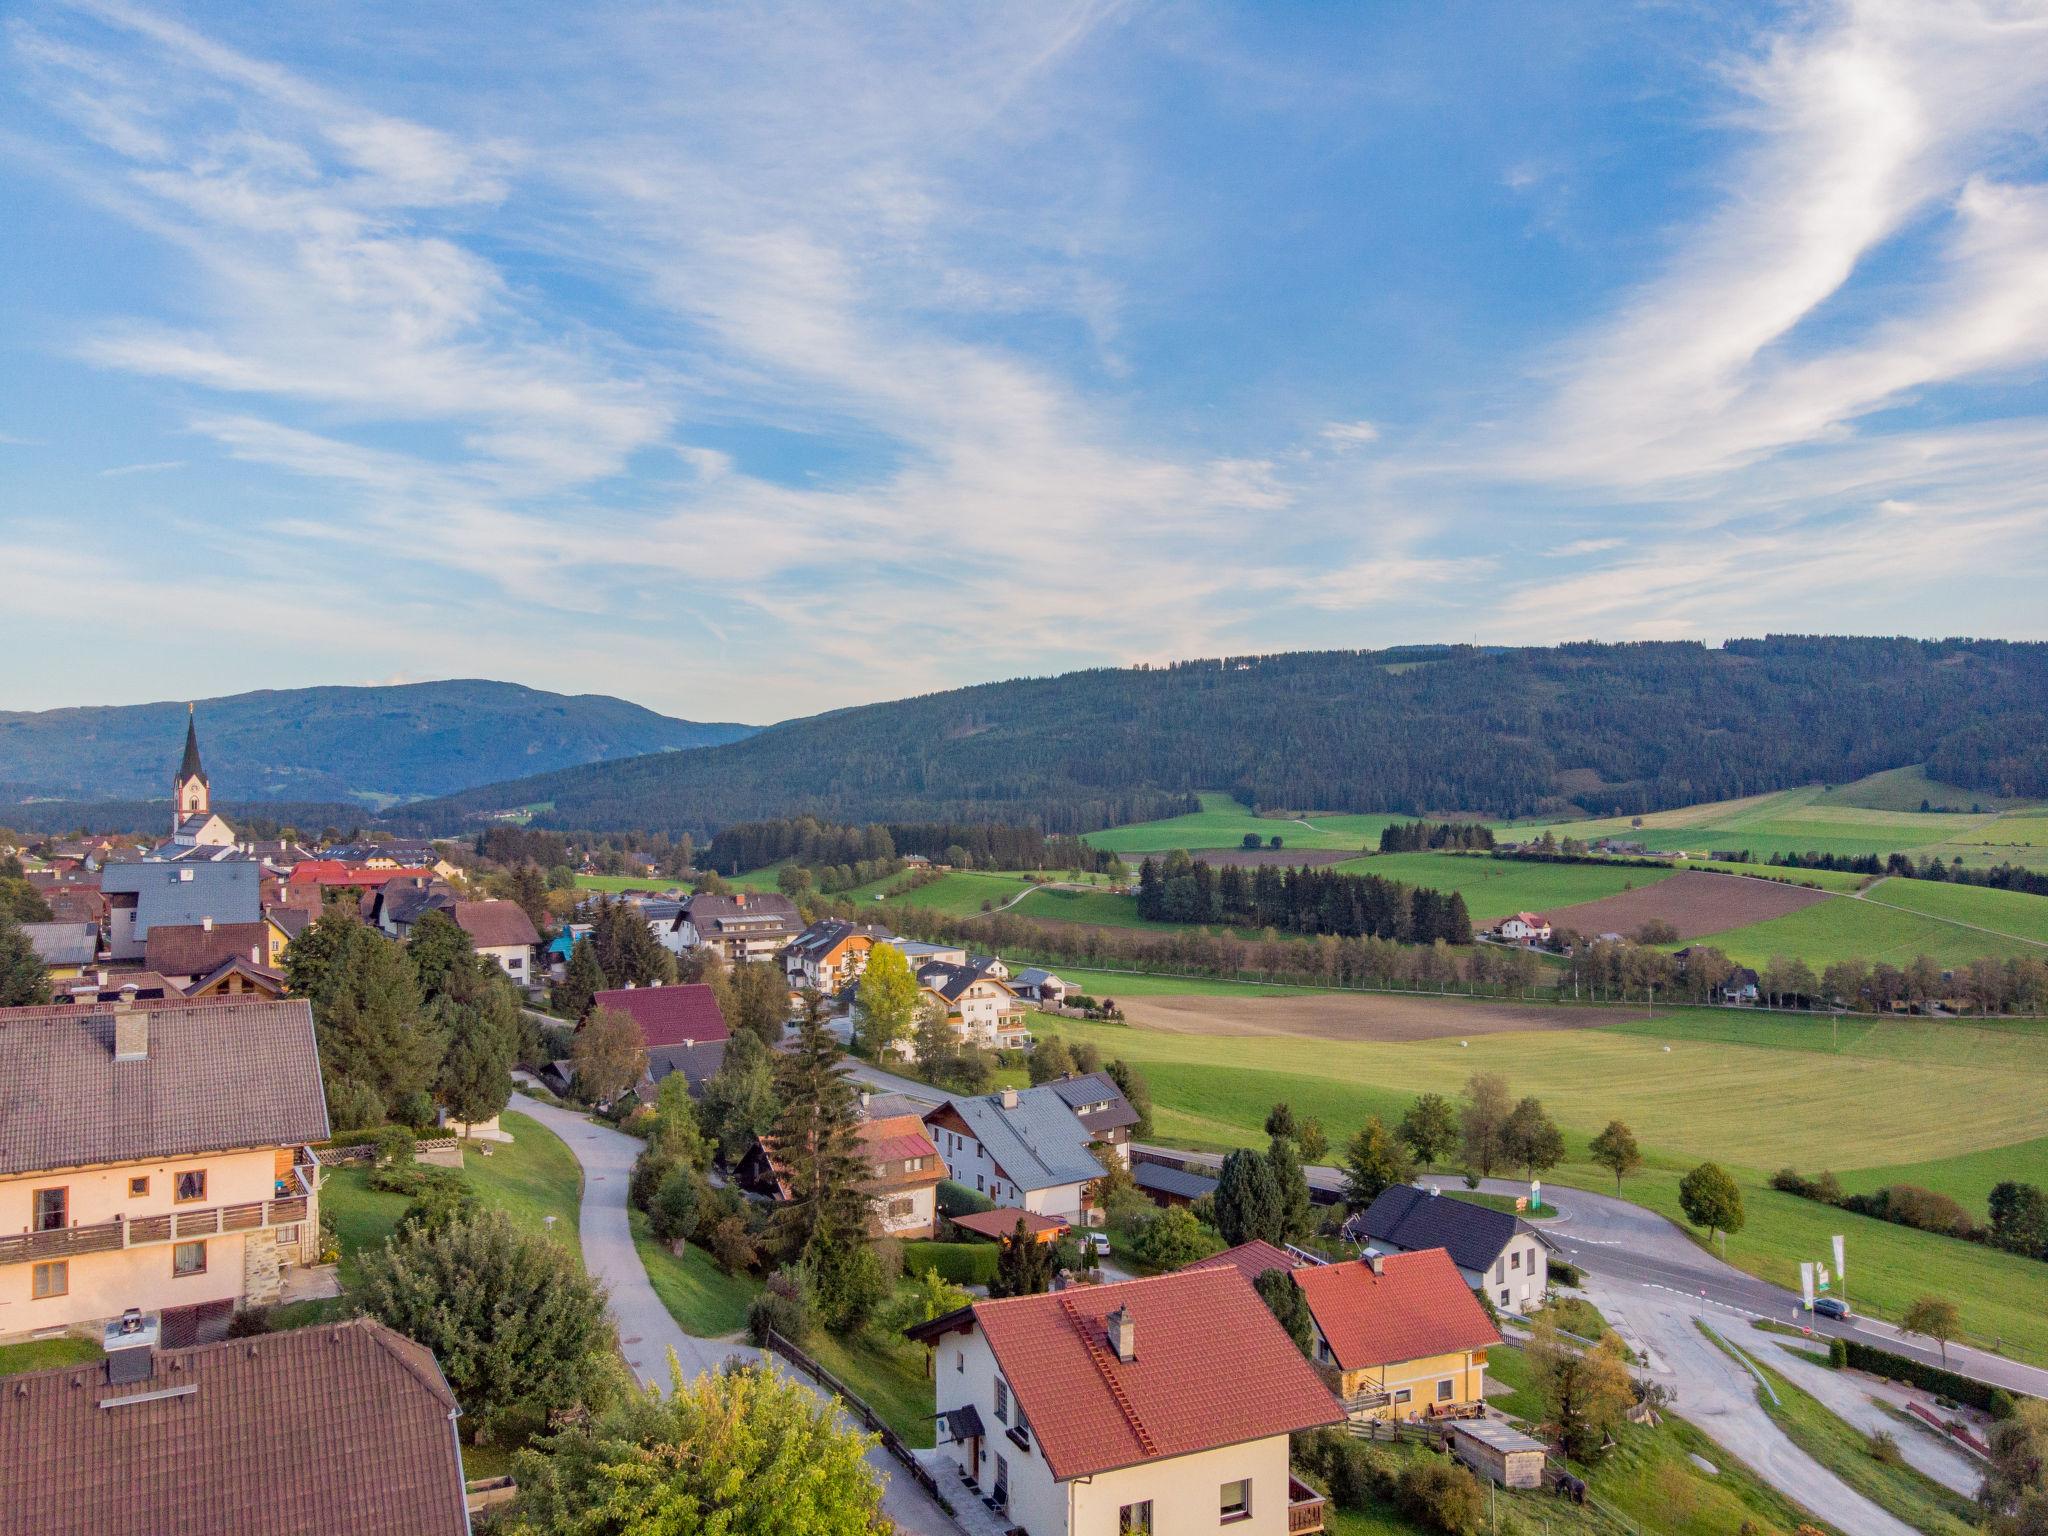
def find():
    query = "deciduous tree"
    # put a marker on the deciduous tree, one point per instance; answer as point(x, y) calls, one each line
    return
point(1586, 1394)
point(1374, 1162)
point(1430, 1129)
point(608, 1055)
point(1482, 1122)
point(1933, 1317)
point(1615, 1150)
point(1711, 1199)
point(1531, 1140)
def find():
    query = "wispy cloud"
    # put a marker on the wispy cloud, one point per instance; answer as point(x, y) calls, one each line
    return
point(141, 469)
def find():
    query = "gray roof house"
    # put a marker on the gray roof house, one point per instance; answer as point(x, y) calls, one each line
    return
point(142, 893)
point(1495, 1250)
point(1024, 1148)
point(64, 943)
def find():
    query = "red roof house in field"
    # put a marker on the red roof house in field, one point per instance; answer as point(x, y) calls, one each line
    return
point(1400, 1335)
point(1161, 1404)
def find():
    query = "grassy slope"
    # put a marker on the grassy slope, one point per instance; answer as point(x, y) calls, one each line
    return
point(1903, 789)
point(705, 1302)
point(1844, 1450)
point(1222, 823)
point(1495, 888)
point(2016, 913)
point(1848, 926)
point(1753, 1107)
point(959, 893)
point(1105, 908)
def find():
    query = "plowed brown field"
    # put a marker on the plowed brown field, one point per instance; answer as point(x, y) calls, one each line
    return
point(1693, 901)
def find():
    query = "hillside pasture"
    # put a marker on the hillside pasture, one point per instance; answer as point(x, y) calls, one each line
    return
point(1223, 822)
point(1905, 789)
point(960, 893)
point(1352, 1016)
point(1103, 908)
point(2017, 914)
point(1691, 901)
point(1495, 888)
point(1848, 927)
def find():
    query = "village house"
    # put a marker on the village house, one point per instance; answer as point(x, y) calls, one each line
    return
point(1022, 1147)
point(747, 925)
point(185, 952)
point(1035, 985)
point(1253, 1259)
point(831, 954)
point(342, 1427)
point(980, 1006)
point(500, 931)
point(1147, 1408)
point(314, 878)
point(143, 893)
point(66, 949)
point(682, 1027)
point(1398, 1336)
point(1524, 928)
point(903, 1185)
point(1495, 1251)
point(155, 1157)
point(1103, 1111)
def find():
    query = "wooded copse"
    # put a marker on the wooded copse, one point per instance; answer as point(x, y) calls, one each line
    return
point(1313, 901)
point(815, 844)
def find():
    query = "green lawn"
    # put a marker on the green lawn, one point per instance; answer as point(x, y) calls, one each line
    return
point(706, 1302)
point(1495, 888)
point(1104, 908)
point(960, 893)
point(1903, 789)
point(1790, 821)
point(1101, 984)
point(887, 1371)
point(617, 883)
point(1845, 1450)
point(1849, 927)
point(1223, 822)
point(2015, 913)
point(1754, 1107)
point(41, 1354)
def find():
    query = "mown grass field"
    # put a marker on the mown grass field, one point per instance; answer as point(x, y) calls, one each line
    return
point(1222, 823)
point(1978, 1103)
point(1104, 908)
point(959, 893)
point(1101, 984)
point(613, 884)
point(2018, 913)
point(1495, 888)
point(1849, 926)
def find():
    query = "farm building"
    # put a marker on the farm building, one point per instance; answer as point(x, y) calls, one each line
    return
point(1498, 1451)
point(1525, 928)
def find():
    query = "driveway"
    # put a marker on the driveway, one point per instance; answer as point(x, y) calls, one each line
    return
point(646, 1330)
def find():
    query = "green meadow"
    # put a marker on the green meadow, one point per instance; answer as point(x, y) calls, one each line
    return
point(1495, 888)
point(1223, 822)
point(1849, 926)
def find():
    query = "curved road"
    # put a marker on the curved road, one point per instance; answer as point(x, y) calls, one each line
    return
point(646, 1330)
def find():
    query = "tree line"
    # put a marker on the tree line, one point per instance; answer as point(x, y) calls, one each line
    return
point(815, 844)
point(1613, 729)
point(2003, 877)
point(1316, 901)
point(1431, 836)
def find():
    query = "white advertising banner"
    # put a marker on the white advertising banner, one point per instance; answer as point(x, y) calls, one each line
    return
point(1806, 1285)
point(1841, 1268)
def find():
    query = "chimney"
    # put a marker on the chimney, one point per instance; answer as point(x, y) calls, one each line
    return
point(1122, 1331)
point(206, 925)
point(1009, 1098)
point(103, 975)
point(1376, 1261)
point(131, 1031)
point(130, 1345)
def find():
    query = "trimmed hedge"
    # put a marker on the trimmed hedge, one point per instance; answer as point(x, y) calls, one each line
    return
point(956, 1199)
point(1916, 1373)
point(960, 1263)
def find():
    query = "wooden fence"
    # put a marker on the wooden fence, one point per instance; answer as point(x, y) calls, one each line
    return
point(891, 1441)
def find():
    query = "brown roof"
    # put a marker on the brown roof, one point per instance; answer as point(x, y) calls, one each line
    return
point(193, 949)
point(1002, 1222)
point(894, 1140)
point(344, 1427)
point(493, 923)
point(1250, 1259)
point(1211, 1368)
point(1417, 1306)
point(218, 1075)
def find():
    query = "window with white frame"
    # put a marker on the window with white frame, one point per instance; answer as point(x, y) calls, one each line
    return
point(1235, 1501)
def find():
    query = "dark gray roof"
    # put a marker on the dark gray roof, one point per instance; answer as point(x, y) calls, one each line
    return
point(227, 891)
point(217, 1076)
point(1037, 1143)
point(1095, 1097)
point(63, 943)
point(950, 981)
point(1411, 1218)
point(698, 1063)
point(1183, 1182)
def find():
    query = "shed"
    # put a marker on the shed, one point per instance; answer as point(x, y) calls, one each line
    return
point(1002, 1222)
point(1499, 1451)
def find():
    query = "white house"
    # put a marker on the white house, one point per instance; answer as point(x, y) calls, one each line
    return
point(1024, 1148)
point(1525, 928)
point(1494, 1250)
point(981, 1007)
point(1149, 1408)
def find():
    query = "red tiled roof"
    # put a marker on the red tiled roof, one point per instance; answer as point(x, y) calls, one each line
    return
point(1250, 1259)
point(895, 1138)
point(1003, 1223)
point(334, 872)
point(336, 1428)
point(193, 949)
point(1211, 1368)
point(678, 1015)
point(1419, 1305)
point(492, 924)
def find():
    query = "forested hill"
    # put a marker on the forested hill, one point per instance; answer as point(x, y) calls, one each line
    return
point(1611, 728)
point(331, 744)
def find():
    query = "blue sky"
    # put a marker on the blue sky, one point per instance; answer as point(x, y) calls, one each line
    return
point(753, 360)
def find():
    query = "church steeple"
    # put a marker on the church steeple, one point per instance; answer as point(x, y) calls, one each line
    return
point(192, 794)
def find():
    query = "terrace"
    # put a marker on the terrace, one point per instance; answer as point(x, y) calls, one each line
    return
point(1304, 1508)
point(169, 1226)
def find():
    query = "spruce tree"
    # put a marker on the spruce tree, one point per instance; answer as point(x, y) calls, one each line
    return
point(1291, 1185)
point(816, 1140)
point(475, 1080)
point(23, 977)
point(1248, 1200)
point(370, 1024)
point(582, 979)
point(1024, 1265)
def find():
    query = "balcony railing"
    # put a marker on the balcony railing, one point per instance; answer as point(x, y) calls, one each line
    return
point(169, 1227)
point(1304, 1508)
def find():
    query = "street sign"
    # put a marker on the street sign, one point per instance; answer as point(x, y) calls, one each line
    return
point(1841, 1268)
point(1806, 1284)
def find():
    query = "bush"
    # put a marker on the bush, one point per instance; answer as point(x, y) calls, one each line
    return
point(439, 1203)
point(413, 1180)
point(779, 1307)
point(1173, 1239)
point(732, 1246)
point(673, 1212)
point(1929, 1378)
point(251, 1321)
point(960, 1263)
point(956, 1199)
point(396, 1146)
point(1441, 1496)
point(1564, 1272)
point(650, 1170)
point(1838, 1353)
point(415, 1109)
point(1884, 1448)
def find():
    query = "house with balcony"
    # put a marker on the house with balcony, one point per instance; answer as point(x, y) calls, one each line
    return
point(1398, 1336)
point(1103, 1111)
point(747, 925)
point(155, 1157)
point(831, 954)
point(902, 1188)
point(1153, 1407)
point(977, 1003)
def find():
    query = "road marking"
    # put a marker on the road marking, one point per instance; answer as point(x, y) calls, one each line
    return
point(1702, 1296)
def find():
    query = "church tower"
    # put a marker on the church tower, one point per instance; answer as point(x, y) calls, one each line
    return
point(191, 794)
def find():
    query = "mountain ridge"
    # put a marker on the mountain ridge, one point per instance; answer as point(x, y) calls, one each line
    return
point(372, 744)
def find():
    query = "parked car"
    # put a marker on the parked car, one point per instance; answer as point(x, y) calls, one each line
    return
point(1831, 1306)
point(1099, 1241)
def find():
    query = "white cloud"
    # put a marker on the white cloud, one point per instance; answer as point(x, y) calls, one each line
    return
point(1350, 434)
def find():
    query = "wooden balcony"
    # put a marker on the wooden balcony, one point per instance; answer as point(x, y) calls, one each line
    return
point(1304, 1508)
point(169, 1227)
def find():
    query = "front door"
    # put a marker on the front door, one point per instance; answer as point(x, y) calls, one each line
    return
point(974, 1458)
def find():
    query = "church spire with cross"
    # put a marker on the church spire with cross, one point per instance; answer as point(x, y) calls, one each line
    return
point(192, 795)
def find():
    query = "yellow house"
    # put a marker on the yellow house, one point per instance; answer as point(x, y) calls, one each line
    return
point(1398, 1336)
point(155, 1157)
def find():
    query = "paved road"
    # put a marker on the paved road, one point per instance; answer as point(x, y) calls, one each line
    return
point(646, 1330)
